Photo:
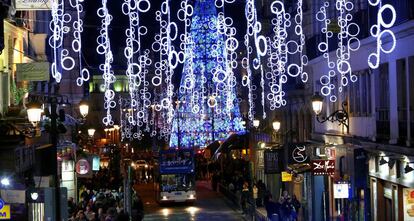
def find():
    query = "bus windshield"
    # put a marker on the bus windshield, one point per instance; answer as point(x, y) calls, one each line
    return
point(177, 182)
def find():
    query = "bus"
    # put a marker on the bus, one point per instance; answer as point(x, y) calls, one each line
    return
point(175, 176)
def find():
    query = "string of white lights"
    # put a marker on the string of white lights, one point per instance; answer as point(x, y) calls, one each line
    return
point(297, 47)
point(278, 55)
point(56, 39)
point(137, 62)
point(374, 58)
point(104, 48)
point(327, 80)
point(77, 41)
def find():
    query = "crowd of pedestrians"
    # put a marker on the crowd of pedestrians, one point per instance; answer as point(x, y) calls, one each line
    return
point(103, 205)
point(284, 209)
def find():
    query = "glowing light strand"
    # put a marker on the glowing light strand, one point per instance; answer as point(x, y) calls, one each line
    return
point(59, 18)
point(278, 55)
point(376, 32)
point(137, 63)
point(347, 42)
point(327, 80)
point(77, 41)
point(104, 48)
point(296, 47)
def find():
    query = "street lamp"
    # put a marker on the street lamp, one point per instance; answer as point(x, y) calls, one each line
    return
point(317, 103)
point(91, 132)
point(5, 181)
point(256, 123)
point(83, 108)
point(34, 112)
point(340, 116)
point(276, 125)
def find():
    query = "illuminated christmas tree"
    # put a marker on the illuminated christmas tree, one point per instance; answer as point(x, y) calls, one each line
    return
point(207, 108)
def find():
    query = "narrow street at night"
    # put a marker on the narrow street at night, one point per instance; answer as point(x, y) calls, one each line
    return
point(207, 110)
point(209, 205)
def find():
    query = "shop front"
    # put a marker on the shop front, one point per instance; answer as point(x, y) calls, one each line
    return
point(391, 180)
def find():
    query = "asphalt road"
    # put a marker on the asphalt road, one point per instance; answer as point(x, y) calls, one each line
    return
point(209, 206)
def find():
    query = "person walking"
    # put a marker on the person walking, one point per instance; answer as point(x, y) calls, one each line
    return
point(245, 196)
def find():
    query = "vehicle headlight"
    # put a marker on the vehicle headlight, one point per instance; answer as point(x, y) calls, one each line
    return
point(191, 196)
point(164, 198)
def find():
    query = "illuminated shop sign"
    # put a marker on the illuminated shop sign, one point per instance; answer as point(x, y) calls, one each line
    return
point(323, 167)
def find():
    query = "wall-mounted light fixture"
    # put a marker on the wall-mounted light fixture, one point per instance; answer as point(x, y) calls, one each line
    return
point(382, 161)
point(276, 125)
point(340, 116)
point(256, 123)
point(407, 168)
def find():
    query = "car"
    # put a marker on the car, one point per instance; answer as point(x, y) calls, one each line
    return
point(141, 163)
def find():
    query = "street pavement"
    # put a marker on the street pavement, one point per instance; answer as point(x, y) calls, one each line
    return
point(208, 206)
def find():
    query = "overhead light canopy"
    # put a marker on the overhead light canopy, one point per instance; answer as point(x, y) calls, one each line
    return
point(34, 112)
point(317, 103)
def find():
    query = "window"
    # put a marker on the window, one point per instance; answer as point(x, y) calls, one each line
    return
point(402, 99)
point(359, 94)
point(382, 103)
point(411, 94)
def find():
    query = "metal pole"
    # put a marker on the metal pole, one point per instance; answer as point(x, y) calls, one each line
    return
point(54, 141)
point(178, 130)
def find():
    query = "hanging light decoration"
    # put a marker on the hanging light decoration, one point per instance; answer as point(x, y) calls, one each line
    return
point(328, 81)
point(77, 42)
point(278, 56)
point(58, 28)
point(254, 40)
point(297, 47)
point(226, 57)
point(347, 42)
point(376, 32)
point(137, 67)
point(104, 48)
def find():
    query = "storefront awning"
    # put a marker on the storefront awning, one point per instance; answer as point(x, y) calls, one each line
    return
point(233, 142)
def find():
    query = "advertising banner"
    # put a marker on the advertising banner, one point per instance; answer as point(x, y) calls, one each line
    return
point(272, 161)
point(298, 153)
point(408, 204)
point(323, 167)
point(5, 213)
point(36, 71)
point(83, 168)
point(28, 5)
point(341, 190)
point(176, 161)
point(286, 177)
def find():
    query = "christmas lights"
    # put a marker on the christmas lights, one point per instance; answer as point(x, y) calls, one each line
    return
point(374, 59)
point(104, 48)
point(294, 47)
point(207, 88)
point(77, 41)
point(58, 28)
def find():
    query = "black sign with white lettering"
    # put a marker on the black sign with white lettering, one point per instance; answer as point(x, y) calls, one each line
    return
point(298, 153)
point(272, 161)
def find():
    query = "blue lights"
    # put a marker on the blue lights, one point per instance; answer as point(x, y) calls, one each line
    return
point(207, 108)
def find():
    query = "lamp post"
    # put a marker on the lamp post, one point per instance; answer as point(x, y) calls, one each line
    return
point(91, 132)
point(341, 116)
point(34, 115)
